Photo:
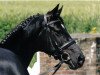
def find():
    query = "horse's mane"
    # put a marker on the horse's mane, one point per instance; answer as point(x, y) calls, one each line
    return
point(17, 28)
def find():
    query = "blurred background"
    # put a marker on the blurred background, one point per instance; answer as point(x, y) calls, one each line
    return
point(80, 16)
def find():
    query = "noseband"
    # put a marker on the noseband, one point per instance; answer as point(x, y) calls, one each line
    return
point(60, 49)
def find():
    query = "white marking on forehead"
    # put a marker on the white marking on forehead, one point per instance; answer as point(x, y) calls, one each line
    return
point(63, 26)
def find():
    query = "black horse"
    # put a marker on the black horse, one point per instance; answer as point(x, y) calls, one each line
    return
point(45, 33)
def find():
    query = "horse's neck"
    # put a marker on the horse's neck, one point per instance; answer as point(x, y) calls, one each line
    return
point(22, 46)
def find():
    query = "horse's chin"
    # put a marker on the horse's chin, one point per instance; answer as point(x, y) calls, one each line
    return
point(73, 66)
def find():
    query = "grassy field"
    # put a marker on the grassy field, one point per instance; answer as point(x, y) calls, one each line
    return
point(79, 16)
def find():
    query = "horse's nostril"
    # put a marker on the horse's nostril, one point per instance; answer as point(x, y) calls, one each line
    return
point(81, 59)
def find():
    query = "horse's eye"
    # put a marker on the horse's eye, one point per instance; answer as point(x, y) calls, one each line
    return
point(58, 35)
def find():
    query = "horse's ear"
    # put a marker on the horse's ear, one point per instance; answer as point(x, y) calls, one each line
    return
point(54, 11)
point(60, 10)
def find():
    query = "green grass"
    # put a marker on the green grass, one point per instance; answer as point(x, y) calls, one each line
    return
point(79, 16)
point(34, 59)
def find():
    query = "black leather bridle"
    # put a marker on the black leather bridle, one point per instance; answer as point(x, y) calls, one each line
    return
point(60, 49)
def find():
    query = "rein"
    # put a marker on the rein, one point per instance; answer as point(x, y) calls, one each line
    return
point(61, 48)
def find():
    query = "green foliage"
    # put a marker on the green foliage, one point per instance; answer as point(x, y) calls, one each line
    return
point(79, 17)
point(80, 25)
point(34, 59)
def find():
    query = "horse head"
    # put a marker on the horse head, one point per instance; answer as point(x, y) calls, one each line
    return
point(57, 42)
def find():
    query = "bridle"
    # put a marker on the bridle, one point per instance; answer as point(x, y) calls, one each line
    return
point(60, 49)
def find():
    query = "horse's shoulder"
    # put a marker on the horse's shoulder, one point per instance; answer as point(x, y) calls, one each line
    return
point(10, 64)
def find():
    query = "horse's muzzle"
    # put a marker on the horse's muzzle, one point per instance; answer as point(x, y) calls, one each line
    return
point(77, 65)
